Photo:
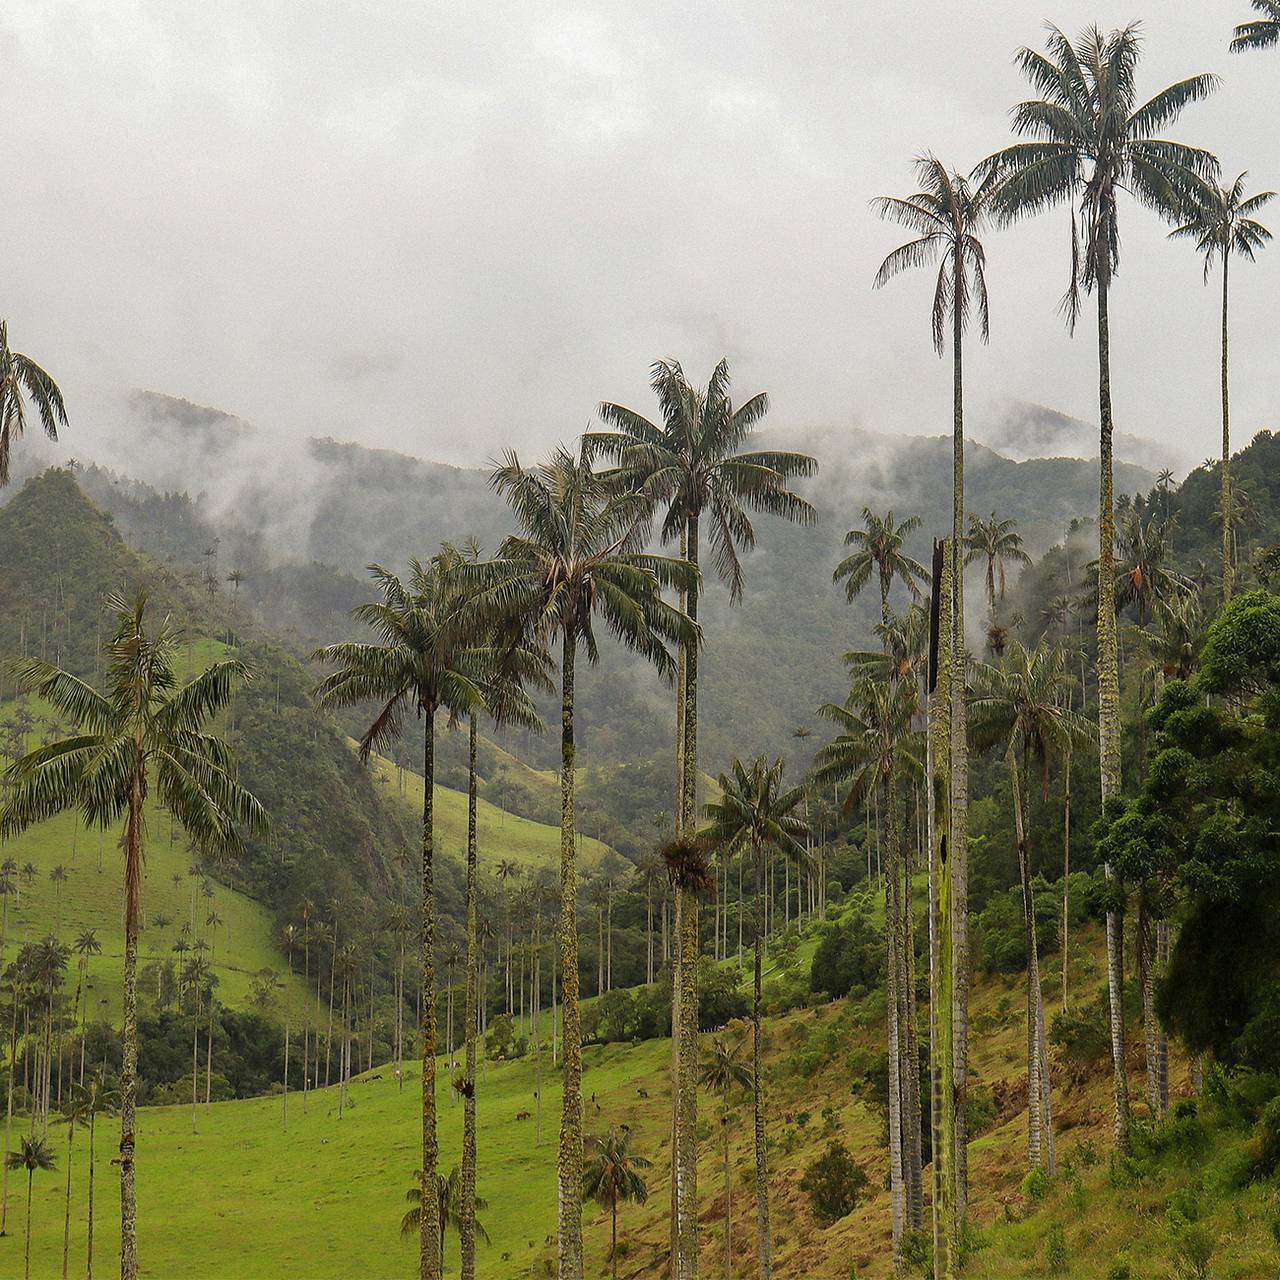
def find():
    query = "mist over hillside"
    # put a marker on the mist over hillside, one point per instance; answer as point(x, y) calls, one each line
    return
point(206, 492)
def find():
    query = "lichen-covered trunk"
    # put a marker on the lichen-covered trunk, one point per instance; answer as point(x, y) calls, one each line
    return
point(569, 1160)
point(764, 1240)
point(912, 1149)
point(467, 1206)
point(959, 798)
point(1109, 713)
point(728, 1192)
point(685, 1153)
point(1228, 571)
point(892, 917)
point(1066, 865)
point(129, 1037)
point(429, 1237)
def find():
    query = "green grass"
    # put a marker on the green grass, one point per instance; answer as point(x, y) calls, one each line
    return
point(532, 845)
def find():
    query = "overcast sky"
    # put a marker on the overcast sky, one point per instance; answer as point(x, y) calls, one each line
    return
point(449, 227)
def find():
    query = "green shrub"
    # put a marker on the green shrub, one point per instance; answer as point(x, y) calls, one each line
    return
point(1193, 1250)
point(1121, 1267)
point(1037, 1185)
point(1055, 1250)
point(1083, 1036)
point(833, 1182)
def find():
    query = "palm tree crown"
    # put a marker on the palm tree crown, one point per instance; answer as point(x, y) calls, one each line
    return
point(997, 542)
point(880, 550)
point(946, 214)
point(1261, 33)
point(21, 377)
point(611, 1173)
point(694, 464)
point(1221, 222)
point(1088, 138)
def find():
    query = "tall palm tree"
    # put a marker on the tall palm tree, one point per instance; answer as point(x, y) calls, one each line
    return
point(756, 814)
point(33, 1153)
point(75, 1112)
point(998, 543)
point(145, 729)
point(448, 1209)
point(723, 1072)
point(1261, 33)
point(1087, 139)
point(85, 945)
point(612, 1174)
point(947, 216)
point(96, 1100)
point(58, 876)
point(424, 660)
point(578, 559)
point(1021, 705)
point(1222, 224)
point(875, 749)
point(880, 551)
point(695, 465)
point(21, 378)
point(1144, 572)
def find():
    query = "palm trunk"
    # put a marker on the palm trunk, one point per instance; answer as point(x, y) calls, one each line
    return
point(1035, 1111)
point(1109, 713)
point(728, 1192)
point(893, 917)
point(1066, 864)
point(129, 1067)
point(686, 1085)
point(613, 1236)
point(1228, 572)
point(569, 1159)
point(429, 1242)
point(467, 1207)
point(959, 799)
point(912, 1150)
point(1162, 1047)
point(764, 1246)
point(27, 1271)
point(66, 1218)
point(88, 1274)
point(1150, 1023)
point(8, 1111)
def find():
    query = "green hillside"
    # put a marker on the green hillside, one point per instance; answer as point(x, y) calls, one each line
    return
point(532, 845)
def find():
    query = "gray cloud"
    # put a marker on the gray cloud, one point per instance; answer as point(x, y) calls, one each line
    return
point(446, 228)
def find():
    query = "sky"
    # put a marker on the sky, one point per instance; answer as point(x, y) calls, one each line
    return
point(452, 228)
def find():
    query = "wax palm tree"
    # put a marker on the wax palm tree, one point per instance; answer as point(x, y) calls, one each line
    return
point(947, 216)
point(756, 814)
point(577, 560)
point(1087, 138)
point(1222, 224)
point(903, 653)
point(1261, 33)
point(94, 1100)
point(76, 1112)
point(874, 751)
point(33, 1153)
point(880, 552)
point(146, 729)
point(58, 877)
point(448, 1209)
point(424, 660)
point(85, 945)
point(724, 1073)
point(611, 1175)
point(21, 379)
point(1169, 650)
point(998, 543)
point(1021, 706)
point(1144, 572)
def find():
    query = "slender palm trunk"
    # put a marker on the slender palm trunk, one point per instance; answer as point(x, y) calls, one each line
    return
point(1035, 1107)
point(1066, 864)
point(728, 1191)
point(687, 1092)
point(959, 799)
point(570, 1154)
point(764, 1245)
point(8, 1111)
point(613, 1236)
point(129, 1067)
point(893, 1005)
point(429, 1250)
point(1228, 571)
point(66, 1216)
point(88, 1274)
point(27, 1271)
point(1109, 712)
point(912, 1149)
point(467, 1206)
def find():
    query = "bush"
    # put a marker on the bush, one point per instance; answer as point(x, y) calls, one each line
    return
point(850, 958)
point(1037, 1185)
point(1265, 1146)
point(1083, 1036)
point(1193, 1250)
point(1121, 1267)
point(1055, 1250)
point(833, 1182)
